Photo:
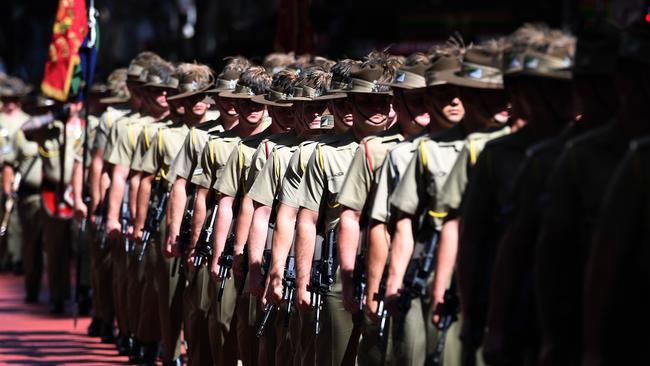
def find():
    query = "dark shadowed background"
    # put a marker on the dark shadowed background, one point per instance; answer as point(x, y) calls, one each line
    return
point(209, 30)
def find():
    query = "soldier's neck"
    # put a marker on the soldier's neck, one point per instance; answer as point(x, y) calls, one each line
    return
point(228, 122)
point(245, 129)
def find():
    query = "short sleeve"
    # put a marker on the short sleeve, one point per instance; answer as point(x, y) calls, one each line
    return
point(358, 181)
point(228, 183)
point(203, 175)
point(406, 197)
point(312, 185)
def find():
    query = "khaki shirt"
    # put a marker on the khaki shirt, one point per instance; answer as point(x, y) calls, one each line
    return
point(425, 174)
point(268, 182)
point(50, 141)
point(164, 149)
point(126, 141)
point(116, 129)
point(23, 153)
point(389, 174)
point(187, 159)
point(324, 178)
point(145, 141)
point(263, 153)
point(106, 121)
point(93, 123)
point(452, 191)
point(366, 161)
point(214, 157)
point(235, 173)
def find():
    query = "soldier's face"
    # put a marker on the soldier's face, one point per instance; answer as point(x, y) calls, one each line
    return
point(9, 104)
point(484, 104)
point(445, 99)
point(311, 113)
point(249, 111)
point(342, 110)
point(371, 109)
point(226, 106)
point(412, 107)
point(158, 97)
point(282, 116)
point(195, 104)
point(135, 91)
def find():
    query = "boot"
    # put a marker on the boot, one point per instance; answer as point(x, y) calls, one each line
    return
point(95, 327)
point(137, 352)
point(108, 333)
point(150, 354)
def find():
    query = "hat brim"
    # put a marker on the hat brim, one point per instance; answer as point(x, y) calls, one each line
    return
point(186, 94)
point(328, 96)
point(402, 86)
point(233, 95)
point(451, 77)
point(114, 100)
point(261, 99)
point(565, 74)
point(390, 92)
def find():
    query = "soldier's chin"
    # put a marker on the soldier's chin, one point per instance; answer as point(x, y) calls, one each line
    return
point(253, 121)
point(376, 121)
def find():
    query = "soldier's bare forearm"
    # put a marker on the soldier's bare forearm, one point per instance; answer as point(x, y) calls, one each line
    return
point(378, 246)
point(176, 206)
point(400, 255)
point(7, 178)
point(77, 182)
point(222, 224)
point(116, 192)
point(285, 224)
point(134, 186)
point(95, 179)
point(305, 243)
point(199, 214)
point(244, 219)
point(446, 259)
point(258, 233)
point(348, 241)
point(144, 194)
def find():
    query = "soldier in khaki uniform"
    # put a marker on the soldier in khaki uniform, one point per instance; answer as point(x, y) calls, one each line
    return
point(192, 80)
point(319, 212)
point(230, 188)
point(276, 346)
point(57, 141)
point(486, 201)
point(20, 157)
point(101, 261)
point(302, 339)
point(512, 336)
point(215, 155)
point(117, 173)
point(12, 89)
point(616, 301)
point(184, 167)
point(575, 211)
point(127, 148)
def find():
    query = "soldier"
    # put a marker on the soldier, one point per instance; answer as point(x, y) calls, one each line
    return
point(230, 188)
point(12, 89)
point(489, 192)
point(124, 151)
point(512, 336)
point(307, 95)
point(283, 237)
point(319, 212)
point(98, 181)
point(445, 109)
point(183, 195)
point(215, 155)
point(409, 89)
point(577, 186)
point(20, 158)
point(110, 165)
point(58, 137)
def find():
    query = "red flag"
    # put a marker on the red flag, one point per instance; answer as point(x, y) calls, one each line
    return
point(70, 28)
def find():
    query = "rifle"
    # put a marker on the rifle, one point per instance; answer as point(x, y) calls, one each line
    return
point(227, 256)
point(155, 214)
point(360, 277)
point(289, 283)
point(185, 232)
point(448, 312)
point(10, 201)
point(100, 222)
point(324, 277)
point(415, 281)
point(125, 217)
point(380, 298)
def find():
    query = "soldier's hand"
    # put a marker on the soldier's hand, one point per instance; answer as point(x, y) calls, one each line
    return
point(214, 271)
point(113, 229)
point(391, 302)
point(438, 300)
point(238, 265)
point(349, 303)
point(371, 309)
point(256, 281)
point(137, 234)
point(80, 211)
point(168, 250)
point(191, 254)
point(274, 293)
point(303, 299)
